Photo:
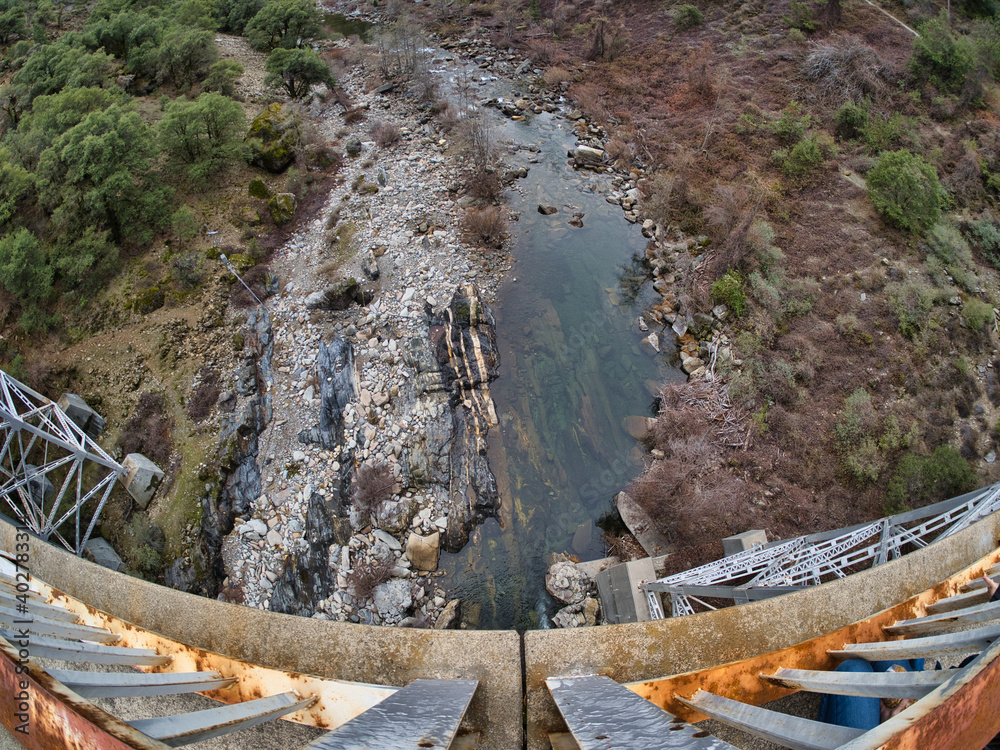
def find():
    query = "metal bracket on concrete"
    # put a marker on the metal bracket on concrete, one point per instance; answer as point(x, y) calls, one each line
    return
point(424, 714)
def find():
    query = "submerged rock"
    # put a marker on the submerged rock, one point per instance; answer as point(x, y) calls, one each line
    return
point(450, 616)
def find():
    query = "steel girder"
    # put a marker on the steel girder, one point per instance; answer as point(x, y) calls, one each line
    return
point(49, 468)
point(781, 566)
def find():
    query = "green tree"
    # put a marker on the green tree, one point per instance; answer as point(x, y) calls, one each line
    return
point(196, 13)
point(16, 185)
point(234, 15)
point(119, 34)
point(296, 71)
point(940, 57)
point(283, 23)
point(23, 270)
point(63, 64)
point(222, 77)
point(98, 174)
point(905, 190)
point(84, 262)
point(205, 135)
point(11, 21)
point(920, 480)
point(187, 54)
point(52, 115)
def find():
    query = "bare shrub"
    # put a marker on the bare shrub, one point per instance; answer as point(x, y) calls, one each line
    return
point(688, 495)
point(610, 40)
point(588, 99)
point(384, 133)
point(446, 116)
point(398, 46)
point(623, 546)
point(367, 574)
point(479, 147)
point(150, 429)
point(667, 192)
point(485, 186)
point(731, 215)
point(485, 227)
point(702, 76)
point(372, 487)
point(619, 152)
point(205, 394)
point(478, 141)
point(847, 68)
point(259, 279)
point(355, 115)
point(555, 75)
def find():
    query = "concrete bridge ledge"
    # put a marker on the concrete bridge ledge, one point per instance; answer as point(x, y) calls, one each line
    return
point(392, 656)
point(357, 653)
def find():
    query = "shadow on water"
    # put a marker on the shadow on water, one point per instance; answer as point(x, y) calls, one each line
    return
point(572, 369)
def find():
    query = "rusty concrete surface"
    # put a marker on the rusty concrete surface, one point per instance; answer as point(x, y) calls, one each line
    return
point(381, 656)
point(652, 650)
point(627, 653)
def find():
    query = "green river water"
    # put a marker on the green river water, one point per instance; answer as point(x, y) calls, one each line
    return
point(571, 370)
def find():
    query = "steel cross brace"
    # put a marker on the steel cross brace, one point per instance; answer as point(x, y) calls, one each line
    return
point(805, 560)
point(41, 444)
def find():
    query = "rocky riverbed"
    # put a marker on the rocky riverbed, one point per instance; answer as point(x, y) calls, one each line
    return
point(357, 442)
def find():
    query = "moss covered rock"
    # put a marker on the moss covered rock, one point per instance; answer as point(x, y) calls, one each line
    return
point(273, 138)
point(258, 189)
point(282, 208)
point(241, 262)
point(148, 300)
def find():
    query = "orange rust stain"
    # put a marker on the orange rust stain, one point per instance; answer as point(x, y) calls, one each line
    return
point(968, 719)
point(740, 681)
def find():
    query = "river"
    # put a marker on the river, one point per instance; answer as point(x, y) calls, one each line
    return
point(572, 369)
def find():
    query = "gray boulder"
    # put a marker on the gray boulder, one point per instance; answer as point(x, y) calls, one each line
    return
point(391, 600)
point(568, 583)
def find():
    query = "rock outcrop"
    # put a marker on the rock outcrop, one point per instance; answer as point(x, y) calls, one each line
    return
point(335, 369)
point(273, 138)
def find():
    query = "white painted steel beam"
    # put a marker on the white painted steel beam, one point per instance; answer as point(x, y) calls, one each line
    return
point(39, 444)
point(779, 567)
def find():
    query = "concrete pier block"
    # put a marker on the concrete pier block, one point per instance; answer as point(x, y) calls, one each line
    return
point(81, 414)
point(142, 477)
point(741, 542)
point(99, 551)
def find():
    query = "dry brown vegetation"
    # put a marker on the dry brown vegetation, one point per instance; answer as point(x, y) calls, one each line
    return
point(739, 126)
point(373, 486)
point(485, 227)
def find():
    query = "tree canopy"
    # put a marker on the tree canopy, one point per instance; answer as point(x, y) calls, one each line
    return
point(97, 174)
point(203, 135)
point(283, 23)
point(296, 71)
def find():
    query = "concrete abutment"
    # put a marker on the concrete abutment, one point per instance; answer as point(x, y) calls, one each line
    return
point(393, 656)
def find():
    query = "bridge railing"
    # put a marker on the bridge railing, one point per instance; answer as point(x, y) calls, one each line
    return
point(783, 566)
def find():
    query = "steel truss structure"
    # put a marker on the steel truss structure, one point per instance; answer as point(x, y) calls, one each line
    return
point(787, 565)
point(49, 468)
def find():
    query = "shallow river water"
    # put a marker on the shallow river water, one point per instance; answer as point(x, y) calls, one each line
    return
point(572, 369)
